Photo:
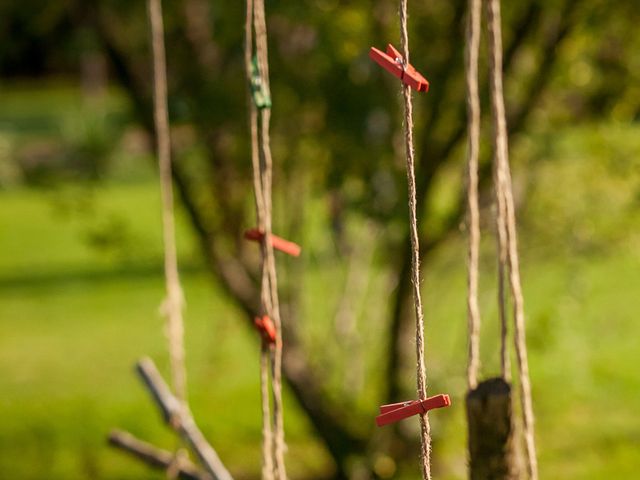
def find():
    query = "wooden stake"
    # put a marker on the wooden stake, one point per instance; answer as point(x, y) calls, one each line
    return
point(491, 440)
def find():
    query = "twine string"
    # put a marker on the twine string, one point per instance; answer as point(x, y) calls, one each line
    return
point(425, 430)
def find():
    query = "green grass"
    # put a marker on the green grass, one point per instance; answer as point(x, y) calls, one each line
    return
point(72, 324)
point(73, 321)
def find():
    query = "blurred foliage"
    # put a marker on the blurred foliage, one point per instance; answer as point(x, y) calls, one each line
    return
point(58, 134)
point(333, 108)
point(571, 78)
point(595, 203)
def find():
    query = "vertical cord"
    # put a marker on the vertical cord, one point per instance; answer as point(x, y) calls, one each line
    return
point(504, 184)
point(267, 434)
point(174, 300)
point(501, 209)
point(473, 214)
point(425, 430)
point(503, 248)
point(260, 27)
point(501, 230)
point(265, 353)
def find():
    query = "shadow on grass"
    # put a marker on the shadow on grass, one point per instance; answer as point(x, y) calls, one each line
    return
point(36, 277)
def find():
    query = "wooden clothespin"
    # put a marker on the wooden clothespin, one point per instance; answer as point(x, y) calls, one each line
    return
point(266, 328)
point(278, 243)
point(395, 412)
point(393, 62)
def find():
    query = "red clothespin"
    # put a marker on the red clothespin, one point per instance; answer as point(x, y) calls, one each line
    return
point(393, 62)
point(278, 243)
point(266, 328)
point(395, 412)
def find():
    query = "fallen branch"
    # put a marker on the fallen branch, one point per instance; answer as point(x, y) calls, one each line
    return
point(179, 418)
point(156, 457)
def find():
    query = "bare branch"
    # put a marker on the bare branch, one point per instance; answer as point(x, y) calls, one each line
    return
point(179, 418)
point(154, 456)
point(327, 419)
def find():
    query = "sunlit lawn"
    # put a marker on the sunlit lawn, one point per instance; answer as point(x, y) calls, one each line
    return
point(73, 321)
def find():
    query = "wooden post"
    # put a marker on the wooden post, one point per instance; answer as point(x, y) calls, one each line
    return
point(492, 453)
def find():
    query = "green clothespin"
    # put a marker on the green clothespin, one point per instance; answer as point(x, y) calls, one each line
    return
point(259, 92)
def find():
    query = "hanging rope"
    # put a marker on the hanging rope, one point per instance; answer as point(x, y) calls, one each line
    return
point(265, 354)
point(473, 216)
point(500, 158)
point(172, 306)
point(504, 185)
point(508, 250)
point(260, 118)
point(425, 430)
point(505, 219)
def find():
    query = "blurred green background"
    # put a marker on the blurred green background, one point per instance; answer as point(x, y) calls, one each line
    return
point(81, 249)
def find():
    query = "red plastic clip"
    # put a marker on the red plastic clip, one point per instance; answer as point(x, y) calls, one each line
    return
point(266, 328)
point(278, 243)
point(393, 62)
point(395, 412)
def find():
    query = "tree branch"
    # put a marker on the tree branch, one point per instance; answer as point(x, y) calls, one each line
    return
point(155, 457)
point(329, 425)
point(231, 274)
point(233, 277)
point(177, 416)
